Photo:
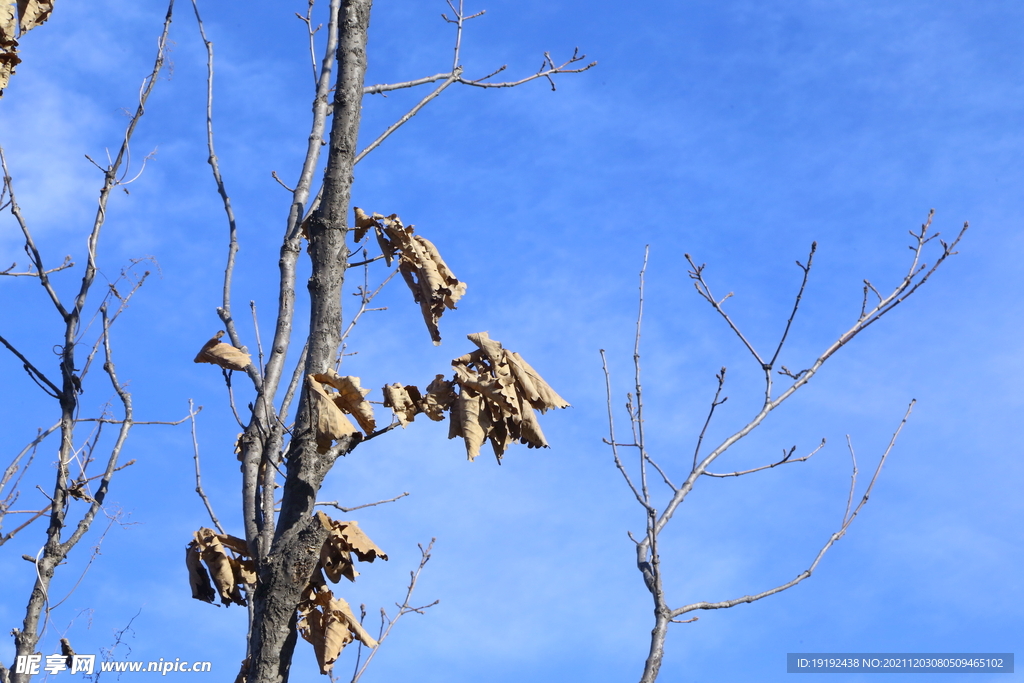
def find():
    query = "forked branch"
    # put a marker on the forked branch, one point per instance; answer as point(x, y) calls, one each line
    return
point(647, 559)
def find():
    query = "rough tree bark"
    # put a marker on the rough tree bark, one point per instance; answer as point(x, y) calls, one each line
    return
point(295, 549)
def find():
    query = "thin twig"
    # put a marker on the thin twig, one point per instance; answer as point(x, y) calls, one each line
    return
point(785, 460)
point(68, 263)
point(611, 432)
point(308, 21)
point(796, 303)
point(224, 311)
point(33, 372)
point(847, 521)
point(403, 609)
point(707, 421)
point(256, 327)
point(696, 274)
point(30, 244)
point(192, 412)
point(452, 78)
point(335, 504)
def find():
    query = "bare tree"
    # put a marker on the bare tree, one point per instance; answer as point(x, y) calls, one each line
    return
point(85, 462)
point(289, 551)
point(660, 509)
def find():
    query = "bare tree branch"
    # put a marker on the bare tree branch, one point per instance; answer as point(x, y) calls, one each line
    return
point(225, 308)
point(336, 504)
point(847, 521)
point(192, 412)
point(403, 609)
point(785, 460)
point(648, 562)
point(68, 263)
point(452, 78)
point(33, 372)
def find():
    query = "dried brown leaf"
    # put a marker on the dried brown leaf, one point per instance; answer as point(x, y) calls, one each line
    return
point(434, 287)
point(534, 389)
point(363, 223)
point(345, 537)
point(219, 564)
point(237, 544)
point(350, 398)
point(440, 397)
point(224, 355)
point(311, 628)
point(329, 624)
point(33, 13)
point(8, 60)
point(340, 609)
point(498, 393)
point(8, 24)
point(331, 423)
point(365, 549)
point(335, 553)
point(404, 401)
point(198, 577)
point(472, 421)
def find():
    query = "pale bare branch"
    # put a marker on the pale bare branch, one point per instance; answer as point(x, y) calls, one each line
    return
point(786, 459)
point(192, 412)
point(336, 504)
point(847, 521)
point(68, 263)
point(403, 609)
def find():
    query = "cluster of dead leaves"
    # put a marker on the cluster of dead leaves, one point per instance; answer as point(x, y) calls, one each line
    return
point(434, 287)
point(17, 17)
point(326, 621)
point(332, 397)
point(225, 355)
point(497, 394)
point(229, 571)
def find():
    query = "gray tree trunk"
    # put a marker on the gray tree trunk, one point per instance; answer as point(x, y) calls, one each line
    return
point(297, 539)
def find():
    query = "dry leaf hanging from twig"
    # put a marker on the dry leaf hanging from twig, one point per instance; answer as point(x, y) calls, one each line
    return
point(343, 539)
point(224, 355)
point(498, 392)
point(329, 625)
point(350, 398)
point(331, 423)
point(229, 572)
point(32, 13)
point(404, 401)
point(434, 287)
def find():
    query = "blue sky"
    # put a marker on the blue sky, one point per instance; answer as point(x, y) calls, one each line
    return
point(738, 132)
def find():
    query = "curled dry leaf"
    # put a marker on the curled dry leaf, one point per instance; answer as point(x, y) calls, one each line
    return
point(8, 24)
point(343, 539)
point(404, 401)
point(440, 397)
point(329, 624)
point(434, 287)
point(407, 402)
point(229, 572)
point(8, 42)
point(498, 392)
point(331, 423)
point(224, 355)
point(350, 398)
point(363, 223)
point(198, 577)
point(34, 13)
